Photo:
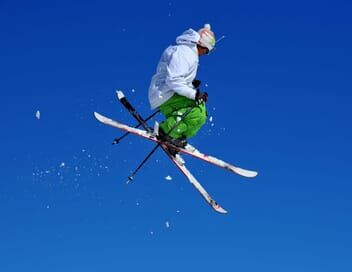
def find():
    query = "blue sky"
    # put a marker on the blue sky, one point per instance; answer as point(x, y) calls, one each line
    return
point(279, 89)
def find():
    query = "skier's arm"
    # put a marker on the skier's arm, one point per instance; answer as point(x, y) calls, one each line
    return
point(176, 71)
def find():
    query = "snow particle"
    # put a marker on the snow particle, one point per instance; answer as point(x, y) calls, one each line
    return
point(168, 178)
point(62, 164)
point(37, 114)
point(167, 224)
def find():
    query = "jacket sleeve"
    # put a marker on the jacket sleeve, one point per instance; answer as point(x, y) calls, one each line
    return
point(177, 69)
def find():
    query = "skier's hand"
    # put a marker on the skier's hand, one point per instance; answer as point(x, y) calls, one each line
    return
point(201, 97)
point(196, 83)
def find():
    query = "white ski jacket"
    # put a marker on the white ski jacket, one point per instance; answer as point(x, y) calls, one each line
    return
point(176, 70)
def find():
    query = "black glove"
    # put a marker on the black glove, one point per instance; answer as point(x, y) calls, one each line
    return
point(201, 97)
point(196, 83)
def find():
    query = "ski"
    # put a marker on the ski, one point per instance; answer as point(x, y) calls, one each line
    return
point(188, 149)
point(179, 162)
point(194, 182)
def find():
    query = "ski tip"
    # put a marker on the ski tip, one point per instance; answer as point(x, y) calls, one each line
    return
point(254, 174)
point(217, 207)
point(220, 209)
point(120, 94)
point(101, 118)
point(98, 116)
point(246, 173)
point(251, 174)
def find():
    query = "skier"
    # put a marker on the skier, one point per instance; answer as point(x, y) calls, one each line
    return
point(174, 89)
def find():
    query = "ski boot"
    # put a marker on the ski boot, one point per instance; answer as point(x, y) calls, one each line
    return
point(162, 136)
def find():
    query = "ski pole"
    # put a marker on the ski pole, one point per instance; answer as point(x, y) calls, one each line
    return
point(131, 109)
point(130, 177)
point(117, 140)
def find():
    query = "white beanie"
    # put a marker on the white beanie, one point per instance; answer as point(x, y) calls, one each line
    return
point(207, 37)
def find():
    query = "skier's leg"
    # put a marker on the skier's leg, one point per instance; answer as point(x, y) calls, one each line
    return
point(195, 120)
point(174, 109)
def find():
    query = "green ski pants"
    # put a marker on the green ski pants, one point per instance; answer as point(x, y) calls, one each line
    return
point(174, 108)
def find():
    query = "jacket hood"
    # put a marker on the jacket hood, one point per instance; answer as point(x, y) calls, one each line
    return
point(189, 37)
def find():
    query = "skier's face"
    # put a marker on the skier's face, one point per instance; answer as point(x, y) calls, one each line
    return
point(202, 50)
